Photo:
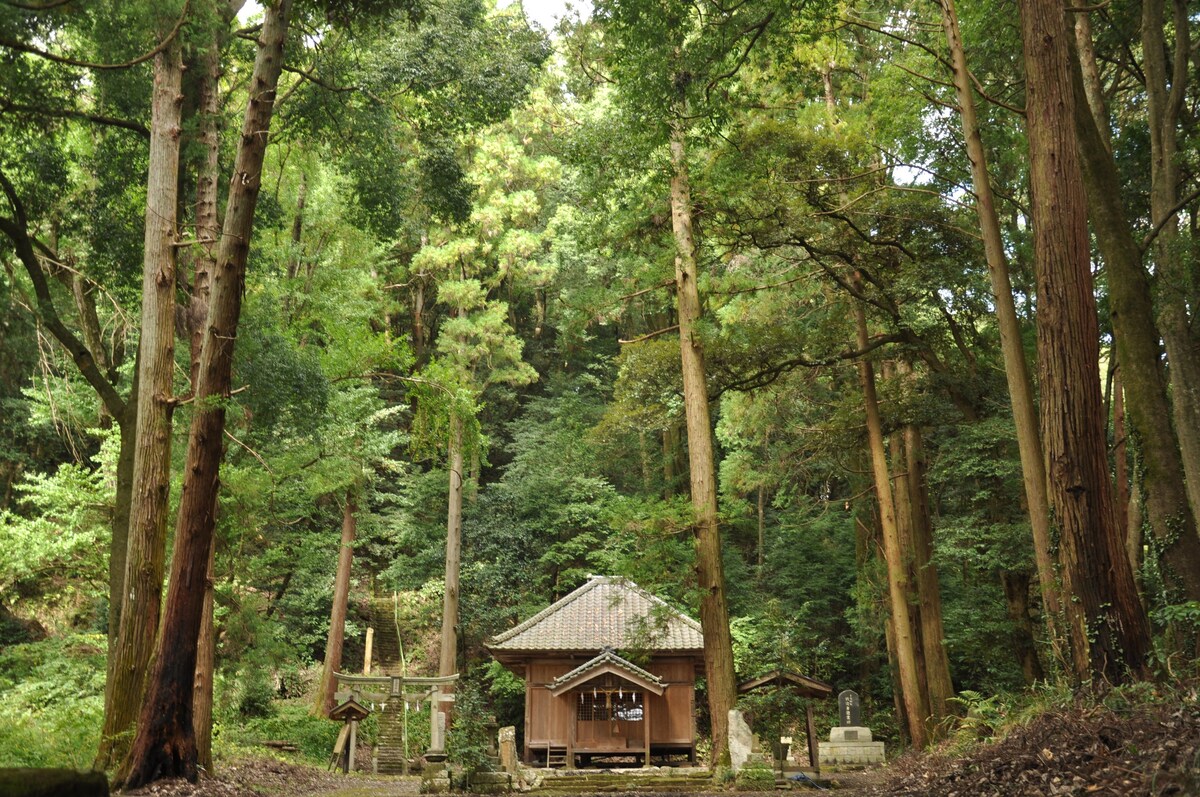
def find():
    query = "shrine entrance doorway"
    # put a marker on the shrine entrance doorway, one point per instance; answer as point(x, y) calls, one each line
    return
point(610, 715)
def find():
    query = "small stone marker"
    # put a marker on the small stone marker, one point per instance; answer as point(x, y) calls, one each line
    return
point(850, 743)
point(508, 749)
point(849, 709)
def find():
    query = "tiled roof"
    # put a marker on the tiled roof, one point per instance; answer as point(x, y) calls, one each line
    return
point(607, 611)
point(613, 661)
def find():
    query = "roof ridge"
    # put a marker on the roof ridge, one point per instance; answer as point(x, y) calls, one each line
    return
point(611, 656)
point(592, 582)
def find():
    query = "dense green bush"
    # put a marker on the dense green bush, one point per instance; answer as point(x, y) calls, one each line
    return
point(288, 720)
point(51, 701)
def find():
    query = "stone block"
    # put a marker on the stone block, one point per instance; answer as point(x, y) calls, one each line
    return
point(741, 740)
point(850, 734)
point(852, 754)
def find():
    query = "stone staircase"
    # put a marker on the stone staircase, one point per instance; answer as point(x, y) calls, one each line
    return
point(389, 747)
point(655, 780)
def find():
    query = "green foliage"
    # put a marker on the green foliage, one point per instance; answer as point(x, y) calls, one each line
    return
point(467, 743)
point(288, 720)
point(51, 701)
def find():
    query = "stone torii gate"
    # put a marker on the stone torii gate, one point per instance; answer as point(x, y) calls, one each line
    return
point(388, 688)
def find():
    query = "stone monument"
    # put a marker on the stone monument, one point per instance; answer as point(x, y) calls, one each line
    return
point(741, 740)
point(850, 743)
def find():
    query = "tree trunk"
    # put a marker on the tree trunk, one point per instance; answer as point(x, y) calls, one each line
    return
point(903, 514)
point(1092, 84)
point(762, 524)
point(1016, 600)
point(929, 590)
point(710, 575)
point(208, 231)
point(418, 320)
point(165, 745)
point(1016, 370)
point(1138, 354)
point(1166, 91)
point(1120, 453)
point(208, 224)
point(904, 644)
point(1109, 632)
point(150, 501)
point(203, 681)
point(119, 545)
point(337, 614)
point(448, 657)
point(668, 463)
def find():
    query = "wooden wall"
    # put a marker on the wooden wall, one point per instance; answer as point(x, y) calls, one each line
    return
point(548, 719)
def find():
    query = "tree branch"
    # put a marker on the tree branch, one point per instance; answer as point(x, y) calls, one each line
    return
point(67, 113)
point(17, 229)
point(22, 47)
point(648, 335)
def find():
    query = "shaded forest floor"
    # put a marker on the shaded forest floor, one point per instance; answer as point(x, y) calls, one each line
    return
point(1130, 751)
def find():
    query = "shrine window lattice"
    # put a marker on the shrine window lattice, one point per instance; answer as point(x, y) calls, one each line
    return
point(609, 700)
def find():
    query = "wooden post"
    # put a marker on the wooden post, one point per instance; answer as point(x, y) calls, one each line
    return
point(814, 755)
point(646, 726)
point(367, 653)
point(574, 721)
point(353, 746)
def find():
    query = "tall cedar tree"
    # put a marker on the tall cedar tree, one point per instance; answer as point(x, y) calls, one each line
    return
point(165, 745)
point(1107, 628)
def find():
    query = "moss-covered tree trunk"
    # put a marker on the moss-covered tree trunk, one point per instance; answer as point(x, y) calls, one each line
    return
point(141, 595)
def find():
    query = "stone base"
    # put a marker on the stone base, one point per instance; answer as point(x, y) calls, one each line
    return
point(850, 754)
point(856, 734)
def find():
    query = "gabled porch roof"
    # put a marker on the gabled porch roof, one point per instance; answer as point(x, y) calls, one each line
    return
point(607, 662)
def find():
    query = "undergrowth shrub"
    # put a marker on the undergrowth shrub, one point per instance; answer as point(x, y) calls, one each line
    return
point(755, 776)
point(52, 701)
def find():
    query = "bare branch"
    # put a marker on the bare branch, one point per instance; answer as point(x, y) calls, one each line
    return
point(61, 59)
point(649, 335)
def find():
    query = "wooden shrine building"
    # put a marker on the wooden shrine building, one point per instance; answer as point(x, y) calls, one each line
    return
point(585, 701)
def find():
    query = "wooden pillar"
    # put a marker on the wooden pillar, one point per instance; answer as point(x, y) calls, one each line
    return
point(572, 721)
point(368, 652)
point(528, 759)
point(353, 746)
point(810, 730)
point(646, 726)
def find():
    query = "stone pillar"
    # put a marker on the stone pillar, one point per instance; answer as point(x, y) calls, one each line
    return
point(507, 739)
point(741, 740)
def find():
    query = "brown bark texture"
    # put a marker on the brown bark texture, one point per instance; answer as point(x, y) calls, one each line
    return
point(1016, 599)
point(165, 745)
point(202, 682)
point(150, 501)
point(1016, 369)
point(448, 659)
point(1165, 65)
point(1146, 404)
point(929, 591)
point(1108, 631)
point(904, 642)
point(336, 637)
point(710, 575)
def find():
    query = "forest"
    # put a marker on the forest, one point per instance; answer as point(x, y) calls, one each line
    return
point(867, 334)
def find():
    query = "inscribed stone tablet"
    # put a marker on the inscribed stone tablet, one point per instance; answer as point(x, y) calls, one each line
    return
point(849, 709)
